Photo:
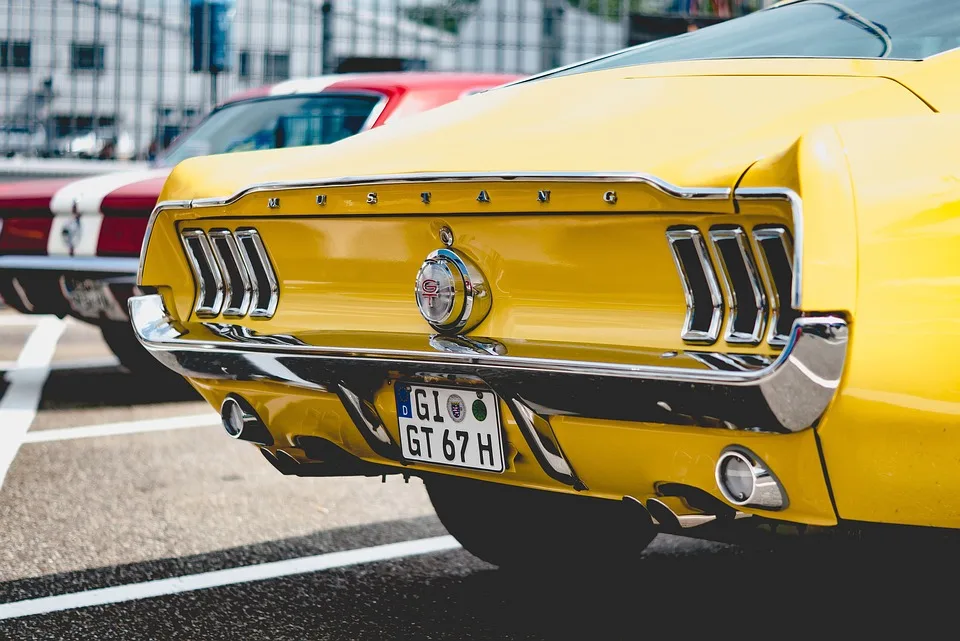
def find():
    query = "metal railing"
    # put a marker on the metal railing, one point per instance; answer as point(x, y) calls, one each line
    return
point(115, 78)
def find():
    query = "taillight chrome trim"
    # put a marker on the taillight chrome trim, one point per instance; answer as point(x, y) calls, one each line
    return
point(735, 298)
point(237, 262)
point(259, 257)
point(198, 236)
point(232, 257)
point(675, 236)
point(778, 302)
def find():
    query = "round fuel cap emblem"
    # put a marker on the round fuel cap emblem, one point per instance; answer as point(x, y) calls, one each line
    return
point(451, 292)
point(436, 292)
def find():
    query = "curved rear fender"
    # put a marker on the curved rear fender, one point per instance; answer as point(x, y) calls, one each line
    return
point(825, 223)
point(891, 436)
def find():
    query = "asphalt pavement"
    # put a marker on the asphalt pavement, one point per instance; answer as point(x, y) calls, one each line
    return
point(127, 513)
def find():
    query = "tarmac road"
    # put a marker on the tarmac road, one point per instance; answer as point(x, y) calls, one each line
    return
point(126, 513)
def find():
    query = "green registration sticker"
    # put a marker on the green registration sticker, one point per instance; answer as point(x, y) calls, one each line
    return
point(479, 410)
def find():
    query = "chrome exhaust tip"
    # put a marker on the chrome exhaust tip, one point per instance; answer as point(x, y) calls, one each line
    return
point(282, 461)
point(663, 515)
point(673, 522)
point(287, 460)
point(241, 421)
point(746, 481)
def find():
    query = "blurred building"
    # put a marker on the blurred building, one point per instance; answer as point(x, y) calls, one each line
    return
point(96, 77)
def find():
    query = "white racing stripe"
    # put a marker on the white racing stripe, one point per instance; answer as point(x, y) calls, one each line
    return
point(316, 84)
point(126, 427)
point(87, 194)
point(18, 407)
point(220, 578)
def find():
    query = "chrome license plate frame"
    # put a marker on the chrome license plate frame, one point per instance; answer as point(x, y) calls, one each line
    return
point(450, 426)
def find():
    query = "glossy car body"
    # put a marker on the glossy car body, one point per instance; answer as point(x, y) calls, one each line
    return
point(70, 247)
point(777, 282)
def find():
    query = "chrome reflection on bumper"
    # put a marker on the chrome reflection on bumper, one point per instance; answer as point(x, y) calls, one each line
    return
point(83, 264)
point(787, 395)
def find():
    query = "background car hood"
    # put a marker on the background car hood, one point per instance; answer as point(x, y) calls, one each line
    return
point(683, 126)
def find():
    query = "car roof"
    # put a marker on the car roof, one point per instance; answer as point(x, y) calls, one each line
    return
point(424, 80)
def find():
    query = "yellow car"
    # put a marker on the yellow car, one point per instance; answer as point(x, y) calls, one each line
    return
point(707, 285)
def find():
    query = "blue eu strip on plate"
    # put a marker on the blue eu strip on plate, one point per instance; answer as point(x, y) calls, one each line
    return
point(403, 402)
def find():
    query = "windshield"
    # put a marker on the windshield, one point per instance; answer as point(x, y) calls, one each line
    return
point(269, 123)
point(901, 29)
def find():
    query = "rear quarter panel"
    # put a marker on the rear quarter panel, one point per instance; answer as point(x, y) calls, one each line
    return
point(892, 439)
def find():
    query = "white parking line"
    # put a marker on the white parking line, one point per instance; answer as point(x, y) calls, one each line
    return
point(21, 320)
point(126, 427)
point(220, 578)
point(77, 363)
point(85, 363)
point(18, 407)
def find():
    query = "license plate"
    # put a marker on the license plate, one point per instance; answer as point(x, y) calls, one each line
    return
point(91, 299)
point(450, 426)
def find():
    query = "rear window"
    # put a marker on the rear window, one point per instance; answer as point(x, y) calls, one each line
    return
point(896, 29)
point(271, 123)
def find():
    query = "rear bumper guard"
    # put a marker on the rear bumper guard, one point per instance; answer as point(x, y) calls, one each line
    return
point(707, 389)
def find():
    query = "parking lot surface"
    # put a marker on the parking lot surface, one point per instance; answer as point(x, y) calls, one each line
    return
point(126, 513)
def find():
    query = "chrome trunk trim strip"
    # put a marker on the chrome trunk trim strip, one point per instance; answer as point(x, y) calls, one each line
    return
point(682, 193)
point(788, 395)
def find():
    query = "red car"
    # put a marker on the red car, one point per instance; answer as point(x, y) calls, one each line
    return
point(71, 246)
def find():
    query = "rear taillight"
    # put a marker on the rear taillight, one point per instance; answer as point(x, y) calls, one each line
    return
point(25, 235)
point(121, 236)
point(233, 273)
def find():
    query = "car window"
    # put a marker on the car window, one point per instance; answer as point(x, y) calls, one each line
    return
point(269, 123)
point(900, 29)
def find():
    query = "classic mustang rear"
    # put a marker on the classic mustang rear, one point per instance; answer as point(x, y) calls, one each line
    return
point(695, 322)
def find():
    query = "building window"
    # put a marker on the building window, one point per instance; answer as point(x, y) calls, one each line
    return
point(276, 67)
point(14, 54)
point(243, 68)
point(87, 56)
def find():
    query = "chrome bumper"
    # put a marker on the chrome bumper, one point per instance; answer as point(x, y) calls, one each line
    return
point(714, 390)
point(92, 288)
point(71, 264)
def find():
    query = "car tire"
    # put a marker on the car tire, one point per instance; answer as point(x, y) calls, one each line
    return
point(536, 530)
point(122, 341)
